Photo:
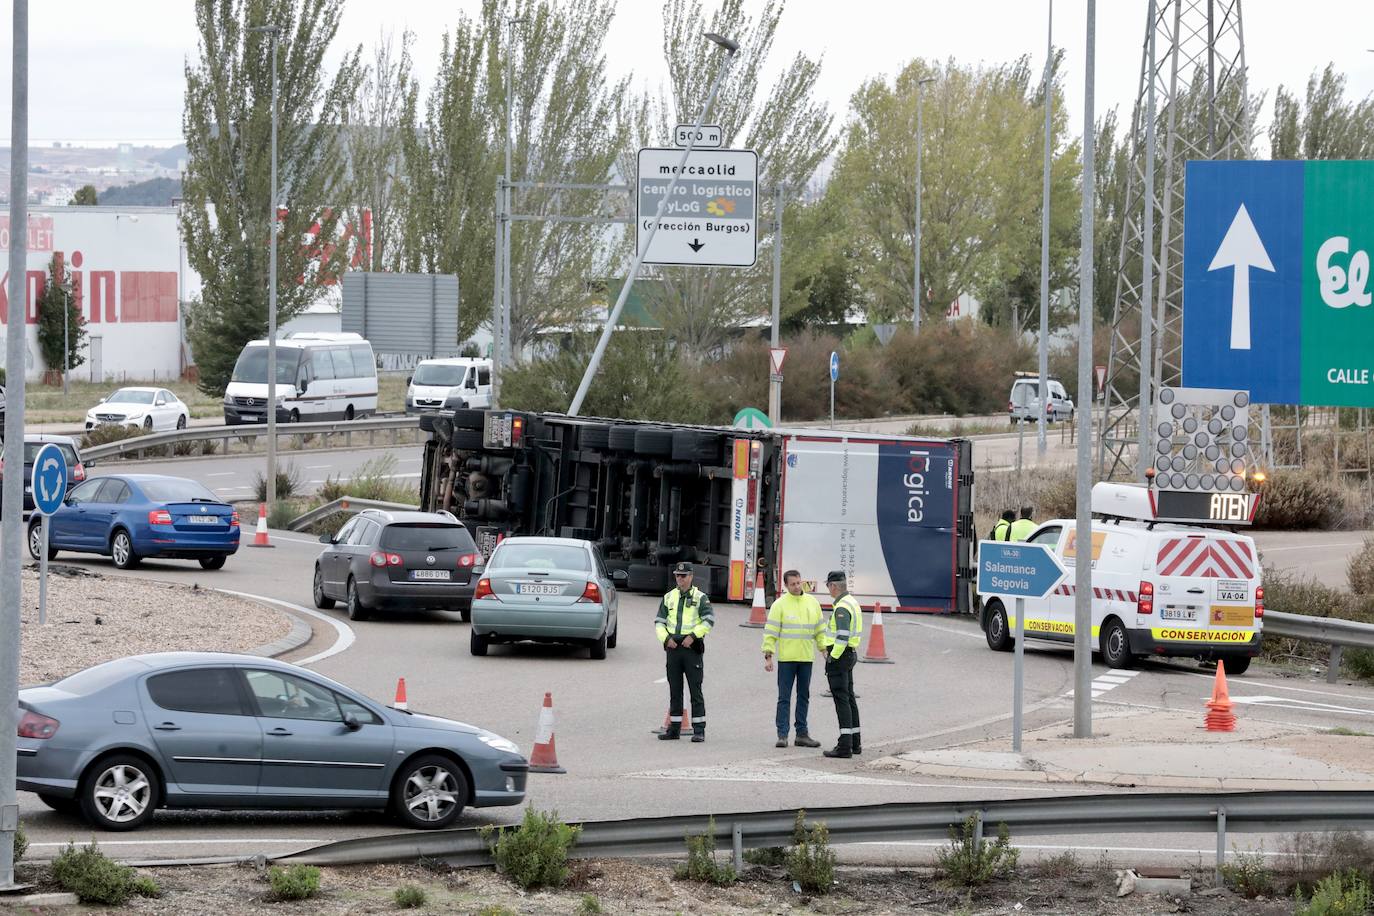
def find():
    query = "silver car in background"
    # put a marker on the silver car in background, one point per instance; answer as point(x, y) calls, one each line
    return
point(213, 730)
point(543, 589)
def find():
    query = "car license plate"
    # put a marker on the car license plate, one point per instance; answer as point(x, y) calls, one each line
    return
point(537, 588)
point(1228, 590)
point(441, 574)
point(203, 519)
point(1178, 613)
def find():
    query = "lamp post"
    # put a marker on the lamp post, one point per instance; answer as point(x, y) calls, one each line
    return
point(1044, 359)
point(273, 32)
point(916, 280)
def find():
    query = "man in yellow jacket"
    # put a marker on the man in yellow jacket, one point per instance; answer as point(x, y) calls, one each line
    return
point(793, 631)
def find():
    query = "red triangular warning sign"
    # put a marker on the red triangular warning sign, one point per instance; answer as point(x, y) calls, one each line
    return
point(775, 357)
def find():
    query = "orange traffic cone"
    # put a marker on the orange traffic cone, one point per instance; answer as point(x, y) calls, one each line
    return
point(668, 720)
point(260, 536)
point(544, 757)
point(400, 695)
point(758, 615)
point(877, 644)
point(1220, 718)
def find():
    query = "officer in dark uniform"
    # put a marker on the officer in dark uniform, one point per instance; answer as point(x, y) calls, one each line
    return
point(684, 618)
point(841, 639)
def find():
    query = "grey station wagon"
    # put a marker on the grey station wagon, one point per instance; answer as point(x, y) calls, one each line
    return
point(210, 730)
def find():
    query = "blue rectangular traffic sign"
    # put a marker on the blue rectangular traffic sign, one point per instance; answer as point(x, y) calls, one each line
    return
point(1014, 569)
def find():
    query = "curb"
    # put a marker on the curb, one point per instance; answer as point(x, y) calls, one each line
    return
point(298, 636)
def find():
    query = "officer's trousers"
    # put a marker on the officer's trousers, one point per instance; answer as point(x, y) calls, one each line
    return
point(839, 674)
point(686, 662)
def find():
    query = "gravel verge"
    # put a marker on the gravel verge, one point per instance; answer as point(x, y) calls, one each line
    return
point(94, 618)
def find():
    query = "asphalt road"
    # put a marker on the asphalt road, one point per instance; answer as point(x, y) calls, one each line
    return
point(945, 688)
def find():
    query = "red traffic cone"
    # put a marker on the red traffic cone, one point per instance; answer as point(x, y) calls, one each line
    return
point(400, 695)
point(544, 757)
point(668, 720)
point(260, 536)
point(877, 644)
point(1219, 717)
point(758, 615)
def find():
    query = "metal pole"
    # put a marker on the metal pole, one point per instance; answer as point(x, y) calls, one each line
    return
point(1082, 629)
point(11, 528)
point(775, 381)
point(1044, 364)
point(614, 316)
point(66, 337)
point(506, 234)
point(272, 299)
point(1147, 279)
point(1018, 675)
point(916, 279)
point(43, 575)
point(496, 320)
point(832, 401)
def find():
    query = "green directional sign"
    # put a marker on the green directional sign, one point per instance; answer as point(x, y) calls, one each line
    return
point(752, 418)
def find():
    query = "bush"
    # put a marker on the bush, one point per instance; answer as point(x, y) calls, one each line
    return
point(146, 887)
point(410, 896)
point(1249, 875)
point(589, 906)
point(289, 482)
point(1283, 592)
point(701, 864)
point(971, 861)
point(1310, 857)
point(374, 479)
point(1064, 865)
point(811, 862)
point(109, 432)
point(1050, 492)
point(535, 854)
point(960, 367)
point(296, 882)
point(1337, 894)
point(766, 855)
point(94, 878)
point(1359, 570)
point(21, 842)
point(1296, 500)
point(282, 513)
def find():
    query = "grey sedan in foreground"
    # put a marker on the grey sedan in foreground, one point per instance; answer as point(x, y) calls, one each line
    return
point(210, 730)
point(545, 589)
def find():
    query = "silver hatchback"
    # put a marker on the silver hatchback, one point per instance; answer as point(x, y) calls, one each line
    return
point(210, 730)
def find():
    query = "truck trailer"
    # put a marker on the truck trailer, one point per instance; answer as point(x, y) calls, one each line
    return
point(742, 505)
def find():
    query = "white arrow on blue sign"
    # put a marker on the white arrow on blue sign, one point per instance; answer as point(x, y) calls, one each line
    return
point(1017, 570)
point(834, 366)
point(49, 479)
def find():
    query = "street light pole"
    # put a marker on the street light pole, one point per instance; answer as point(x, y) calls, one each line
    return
point(916, 280)
point(272, 31)
point(505, 241)
point(1044, 363)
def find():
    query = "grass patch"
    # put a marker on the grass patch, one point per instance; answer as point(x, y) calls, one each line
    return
point(971, 861)
point(95, 878)
point(374, 479)
point(296, 882)
point(1064, 865)
point(701, 864)
point(47, 403)
point(588, 906)
point(1347, 732)
point(958, 429)
point(410, 896)
point(21, 842)
point(535, 854)
point(1249, 875)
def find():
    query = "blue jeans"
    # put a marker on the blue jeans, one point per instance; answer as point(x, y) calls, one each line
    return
point(788, 674)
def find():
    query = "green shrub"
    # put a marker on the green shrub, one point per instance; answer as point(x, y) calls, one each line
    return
point(535, 854)
point(146, 887)
point(374, 479)
point(296, 882)
point(289, 482)
point(496, 909)
point(766, 855)
point(410, 896)
point(93, 877)
point(1339, 894)
point(1249, 875)
point(282, 513)
point(811, 862)
point(1299, 500)
point(589, 906)
point(971, 860)
point(109, 432)
point(1359, 569)
point(1284, 592)
point(701, 864)
point(21, 842)
point(1310, 857)
point(1064, 865)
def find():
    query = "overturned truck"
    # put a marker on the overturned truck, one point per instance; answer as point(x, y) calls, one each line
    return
point(894, 512)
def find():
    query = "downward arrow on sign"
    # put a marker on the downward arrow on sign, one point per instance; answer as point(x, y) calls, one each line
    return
point(1241, 249)
point(696, 244)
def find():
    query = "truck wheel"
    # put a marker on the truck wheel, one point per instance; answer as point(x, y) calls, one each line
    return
point(468, 418)
point(645, 578)
point(998, 630)
point(1115, 646)
point(654, 442)
point(595, 436)
point(1237, 665)
point(467, 440)
point(691, 445)
point(622, 438)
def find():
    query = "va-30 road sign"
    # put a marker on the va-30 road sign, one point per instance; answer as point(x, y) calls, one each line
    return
point(712, 219)
point(1276, 282)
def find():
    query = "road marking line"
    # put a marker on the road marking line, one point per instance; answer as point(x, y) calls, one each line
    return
point(1310, 547)
point(282, 537)
point(1265, 685)
point(252, 839)
point(318, 467)
point(223, 474)
point(344, 631)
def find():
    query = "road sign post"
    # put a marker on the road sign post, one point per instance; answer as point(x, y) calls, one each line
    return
point(834, 377)
point(776, 356)
point(49, 489)
point(1019, 571)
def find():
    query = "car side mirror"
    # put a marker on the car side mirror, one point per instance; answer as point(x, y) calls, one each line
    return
point(327, 539)
point(101, 401)
point(620, 578)
point(351, 722)
point(159, 403)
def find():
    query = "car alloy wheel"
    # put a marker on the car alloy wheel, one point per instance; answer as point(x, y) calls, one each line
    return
point(181, 421)
point(36, 542)
point(120, 795)
point(322, 601)
point(430, 793)
point(122, 550)
point(356, 610)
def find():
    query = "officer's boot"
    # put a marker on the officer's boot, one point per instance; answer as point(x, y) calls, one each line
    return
point(854, 746)
point(699, 733)
point(672, 732)
point(843, 748)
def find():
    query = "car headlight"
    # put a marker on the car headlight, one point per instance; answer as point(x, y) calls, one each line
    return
point(496, 742)
point(134, 416)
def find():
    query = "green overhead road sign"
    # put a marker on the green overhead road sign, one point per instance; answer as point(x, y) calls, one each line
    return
point(752, 418)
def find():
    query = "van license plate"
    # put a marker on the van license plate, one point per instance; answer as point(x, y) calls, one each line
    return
point(1178, 613)
point(1228, 590)
point(441, 574)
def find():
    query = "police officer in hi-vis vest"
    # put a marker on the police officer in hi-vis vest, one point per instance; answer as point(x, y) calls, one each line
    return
point(841, 638)
point(684, 618)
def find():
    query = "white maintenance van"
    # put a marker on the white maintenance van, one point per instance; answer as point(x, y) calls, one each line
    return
point(1166, 581)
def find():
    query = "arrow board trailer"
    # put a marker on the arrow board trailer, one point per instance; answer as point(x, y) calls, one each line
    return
point(712, 218)
point(895, 513)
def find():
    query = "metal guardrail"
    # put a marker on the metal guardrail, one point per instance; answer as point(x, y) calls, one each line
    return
point(370, 426)
point(345, 504)
point(1189, 812)
point(1331, 630)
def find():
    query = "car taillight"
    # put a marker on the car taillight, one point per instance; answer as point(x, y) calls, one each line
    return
point(483, 589)
point(469, 559)
point(78, 473)
point(32, 725)
point(1259, 602)
point(234, 519)
point(381, 560)
point(159, 517)
point(591, 593)
point(1145, 600)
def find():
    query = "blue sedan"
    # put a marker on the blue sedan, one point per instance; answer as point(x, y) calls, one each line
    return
point(131, 517)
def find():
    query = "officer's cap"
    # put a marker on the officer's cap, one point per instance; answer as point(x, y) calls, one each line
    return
point(681, 568)
point(834, 576)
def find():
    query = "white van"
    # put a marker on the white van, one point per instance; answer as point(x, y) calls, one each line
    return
point(1023, 403)
point(320, 376)
point(466, 380)
point(1158, 589)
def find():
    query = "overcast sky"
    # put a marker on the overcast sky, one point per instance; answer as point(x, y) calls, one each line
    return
point(100, 73)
